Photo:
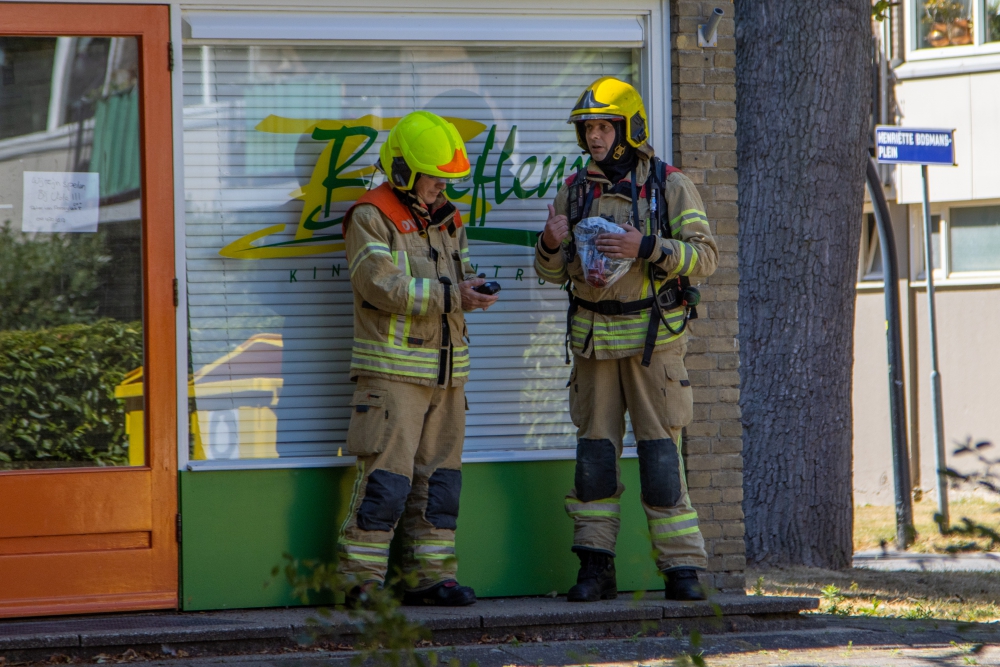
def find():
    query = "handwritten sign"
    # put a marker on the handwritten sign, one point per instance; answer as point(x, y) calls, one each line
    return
point(60, 201)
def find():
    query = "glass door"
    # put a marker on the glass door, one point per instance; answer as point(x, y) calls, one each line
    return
point(87, 415)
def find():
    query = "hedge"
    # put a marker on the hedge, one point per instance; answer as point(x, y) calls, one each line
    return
point(48, 280)
point(57, 393)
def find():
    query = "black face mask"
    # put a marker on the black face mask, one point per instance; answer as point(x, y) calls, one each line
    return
point(617, 168)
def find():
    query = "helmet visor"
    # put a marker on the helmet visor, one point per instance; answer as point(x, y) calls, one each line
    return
point(446, 180)
point(578, 118)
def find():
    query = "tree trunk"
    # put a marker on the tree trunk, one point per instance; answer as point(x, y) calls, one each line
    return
point(803, 84)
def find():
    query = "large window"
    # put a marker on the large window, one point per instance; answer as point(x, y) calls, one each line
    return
point(945, 24)
point(975, 238)
point(278, 141)
point(965, 242)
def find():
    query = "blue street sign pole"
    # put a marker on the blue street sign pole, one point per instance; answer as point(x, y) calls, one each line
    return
point(904, 145)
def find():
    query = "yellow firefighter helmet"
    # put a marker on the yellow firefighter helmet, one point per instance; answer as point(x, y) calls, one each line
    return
point(612, 99)
point(423, 142)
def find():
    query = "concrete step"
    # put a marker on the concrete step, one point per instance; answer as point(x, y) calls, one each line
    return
point(494, 620)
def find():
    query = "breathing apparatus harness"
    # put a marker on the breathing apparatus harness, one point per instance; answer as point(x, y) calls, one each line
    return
point(672, 294)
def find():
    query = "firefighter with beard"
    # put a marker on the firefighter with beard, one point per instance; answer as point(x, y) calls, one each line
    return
point(409, 264)
point(627, 338)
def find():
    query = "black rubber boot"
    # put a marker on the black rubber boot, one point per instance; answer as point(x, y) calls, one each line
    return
point(446, 594)
point(596, 580)
point(682, 584)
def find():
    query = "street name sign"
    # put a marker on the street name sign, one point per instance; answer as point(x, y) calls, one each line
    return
point(923, 146)
point(914, 145)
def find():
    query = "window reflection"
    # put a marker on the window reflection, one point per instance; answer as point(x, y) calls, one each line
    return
point(237, 395)
point(944, 23)
point(992, 20)
point(71, 350)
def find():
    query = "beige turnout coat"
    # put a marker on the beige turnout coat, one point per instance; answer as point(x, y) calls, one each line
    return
point(692, 253)
point(408, 324)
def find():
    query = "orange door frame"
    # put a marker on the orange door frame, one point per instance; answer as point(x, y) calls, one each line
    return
point(104, 539)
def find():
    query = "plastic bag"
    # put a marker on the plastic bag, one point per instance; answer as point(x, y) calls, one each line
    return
point(600, 271)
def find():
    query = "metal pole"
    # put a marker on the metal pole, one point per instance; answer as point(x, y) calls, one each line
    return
point(939, 453)
point(894, 343)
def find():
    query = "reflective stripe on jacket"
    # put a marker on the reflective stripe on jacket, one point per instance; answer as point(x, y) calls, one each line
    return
point(692, 253)
point(399, 301)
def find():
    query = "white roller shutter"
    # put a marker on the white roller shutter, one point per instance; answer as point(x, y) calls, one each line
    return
point(240, 172)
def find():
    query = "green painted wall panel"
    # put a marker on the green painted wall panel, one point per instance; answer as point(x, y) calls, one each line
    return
point(237, 525)
point(513, 536)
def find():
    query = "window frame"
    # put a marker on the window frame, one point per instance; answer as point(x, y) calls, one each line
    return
point(653, 59)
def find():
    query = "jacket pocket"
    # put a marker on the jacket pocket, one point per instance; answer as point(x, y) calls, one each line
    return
point(679, 408)
point(424, 332)
point(409, 331)
point(366, 432)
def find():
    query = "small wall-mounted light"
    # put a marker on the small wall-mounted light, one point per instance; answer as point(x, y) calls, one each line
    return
point(708, 34)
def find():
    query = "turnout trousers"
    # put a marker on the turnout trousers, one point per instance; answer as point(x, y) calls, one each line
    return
point(659, 402)
point(408, 440)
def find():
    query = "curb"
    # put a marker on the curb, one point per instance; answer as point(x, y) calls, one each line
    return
point(242, 631)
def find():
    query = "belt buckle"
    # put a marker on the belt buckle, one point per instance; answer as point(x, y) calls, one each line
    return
point(668, 298)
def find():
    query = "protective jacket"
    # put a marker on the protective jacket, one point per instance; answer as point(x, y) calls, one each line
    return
point(690, 253)
point(408, 320)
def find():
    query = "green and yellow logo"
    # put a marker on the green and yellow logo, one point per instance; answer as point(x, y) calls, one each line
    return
point(338, 178)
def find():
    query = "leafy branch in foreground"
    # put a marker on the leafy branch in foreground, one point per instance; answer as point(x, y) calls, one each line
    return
point(385, 636)
point(695, 656)
point(880, 9)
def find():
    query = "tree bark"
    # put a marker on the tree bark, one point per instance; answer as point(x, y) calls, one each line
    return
point(803, 83)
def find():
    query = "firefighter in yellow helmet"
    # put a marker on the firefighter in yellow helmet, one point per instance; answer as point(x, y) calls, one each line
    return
point(409, 264)
point(627, 337)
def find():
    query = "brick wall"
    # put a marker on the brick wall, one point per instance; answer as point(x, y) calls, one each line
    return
point(704, 144)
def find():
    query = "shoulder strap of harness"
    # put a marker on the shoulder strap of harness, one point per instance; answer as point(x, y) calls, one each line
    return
point(579, 198)
point(673, 292)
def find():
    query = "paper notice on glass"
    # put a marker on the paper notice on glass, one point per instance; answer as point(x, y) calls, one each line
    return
point(61, 201)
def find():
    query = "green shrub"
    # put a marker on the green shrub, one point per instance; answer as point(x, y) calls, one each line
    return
point(57, 393)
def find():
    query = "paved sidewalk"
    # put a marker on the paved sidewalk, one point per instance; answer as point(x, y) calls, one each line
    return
point(828, 642)
point(877, 559)
point(242, 631)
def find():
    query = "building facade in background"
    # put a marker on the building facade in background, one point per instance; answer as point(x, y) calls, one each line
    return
point(938, 66)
